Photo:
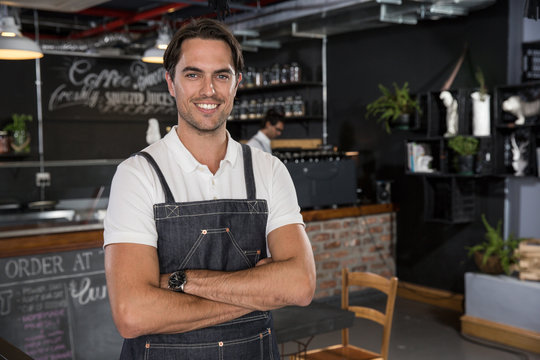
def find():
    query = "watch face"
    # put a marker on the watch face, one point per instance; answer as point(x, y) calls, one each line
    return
point(177, 280)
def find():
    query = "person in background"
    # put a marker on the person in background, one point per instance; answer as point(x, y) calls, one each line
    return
point(271, 127)
point(202, 235)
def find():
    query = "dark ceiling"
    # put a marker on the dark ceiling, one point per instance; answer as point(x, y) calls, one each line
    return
point(133, 16)
point(131, 26)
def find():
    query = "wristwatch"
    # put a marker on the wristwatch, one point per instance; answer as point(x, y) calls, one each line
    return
point(177, 281)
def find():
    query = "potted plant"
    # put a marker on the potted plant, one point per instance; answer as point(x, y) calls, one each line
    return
point(495, 255)
point(465, 147)
point(20, 138)
point(394, 109)
point(480, 107)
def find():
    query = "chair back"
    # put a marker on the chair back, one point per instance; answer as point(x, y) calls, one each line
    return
point(370, 280)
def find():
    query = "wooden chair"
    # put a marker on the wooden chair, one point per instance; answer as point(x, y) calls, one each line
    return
point(346, 351)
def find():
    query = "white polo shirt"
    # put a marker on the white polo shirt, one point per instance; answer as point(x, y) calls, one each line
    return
point(136, 188)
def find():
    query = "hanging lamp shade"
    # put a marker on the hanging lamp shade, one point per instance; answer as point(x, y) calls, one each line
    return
point(14, 46)
point(155, 54)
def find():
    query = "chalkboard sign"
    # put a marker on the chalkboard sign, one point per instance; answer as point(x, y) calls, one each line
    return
point(76, 87)
point(55, 306)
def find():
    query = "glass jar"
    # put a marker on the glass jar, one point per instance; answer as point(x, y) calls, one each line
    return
point(267, 77)
point(250, 77)
point(299, 108)
point(252, 109)
point(279, 104)
point(243, 113)
point(288, 106)
point(4, 142)
point(235, 113)
point(285, 74)
point(295, 73)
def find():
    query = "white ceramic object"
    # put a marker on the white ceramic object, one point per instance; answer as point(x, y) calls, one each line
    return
point(481, 115)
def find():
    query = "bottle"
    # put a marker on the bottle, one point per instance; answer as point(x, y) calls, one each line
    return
point(258, 78)
point(275, 74)
point(4, 142)
point(260, 108)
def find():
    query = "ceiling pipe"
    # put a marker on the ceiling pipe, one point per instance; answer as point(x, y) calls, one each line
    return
point(99, 11)
point(160, 10)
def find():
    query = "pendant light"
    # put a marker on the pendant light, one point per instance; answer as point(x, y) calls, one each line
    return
point(155, 54)
point(14, 46)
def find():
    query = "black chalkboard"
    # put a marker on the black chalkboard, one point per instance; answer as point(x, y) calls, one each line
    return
point(76, 88)
point(55, 306)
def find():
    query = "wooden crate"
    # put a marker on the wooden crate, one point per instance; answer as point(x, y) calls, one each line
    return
point(529, 259)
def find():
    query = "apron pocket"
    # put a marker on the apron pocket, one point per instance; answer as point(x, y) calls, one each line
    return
point(220, 244)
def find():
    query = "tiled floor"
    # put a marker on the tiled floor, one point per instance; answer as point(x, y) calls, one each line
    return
point(423, 332)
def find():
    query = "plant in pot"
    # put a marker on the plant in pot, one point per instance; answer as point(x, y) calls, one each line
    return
point(20, 138)
point(395, 108)
point(495, 255)
point(480, 107)
point(465, 147)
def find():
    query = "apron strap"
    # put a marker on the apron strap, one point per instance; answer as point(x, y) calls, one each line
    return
point(248, 173)
point(169, 198)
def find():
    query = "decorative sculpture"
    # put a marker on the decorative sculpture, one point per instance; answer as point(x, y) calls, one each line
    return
point(521, 109)
point(152, 133)
point(451, 113)
point(519, 160)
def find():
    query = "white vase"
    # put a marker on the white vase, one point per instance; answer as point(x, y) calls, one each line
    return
point(481, 114)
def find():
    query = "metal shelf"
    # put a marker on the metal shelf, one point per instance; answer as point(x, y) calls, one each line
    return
point(60, 163)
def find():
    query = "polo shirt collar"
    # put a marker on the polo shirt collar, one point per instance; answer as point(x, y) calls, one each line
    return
point(186, 160)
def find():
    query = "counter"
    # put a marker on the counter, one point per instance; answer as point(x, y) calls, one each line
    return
point(44, 238)
point(53, 291)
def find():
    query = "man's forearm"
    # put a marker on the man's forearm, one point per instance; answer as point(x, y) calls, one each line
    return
point(286, 279)
point(265, 287)
point(140, 306)
point(171, 312)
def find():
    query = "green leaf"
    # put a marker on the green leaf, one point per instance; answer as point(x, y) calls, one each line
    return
point(391, 105)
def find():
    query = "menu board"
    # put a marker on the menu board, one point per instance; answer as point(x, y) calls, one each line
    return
point(76, 87)
point(55, 306)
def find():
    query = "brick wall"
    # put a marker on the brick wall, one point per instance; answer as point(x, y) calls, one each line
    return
point(364, 243)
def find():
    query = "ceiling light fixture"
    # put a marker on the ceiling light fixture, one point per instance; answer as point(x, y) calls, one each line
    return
point(14, 46)
point(155, 54)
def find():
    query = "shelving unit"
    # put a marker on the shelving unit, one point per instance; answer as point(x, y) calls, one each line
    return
point(505, 128)
point(450, 197)
point(310, 93)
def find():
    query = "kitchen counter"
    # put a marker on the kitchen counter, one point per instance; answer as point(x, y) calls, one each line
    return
point(73, 235)
point(50, 237)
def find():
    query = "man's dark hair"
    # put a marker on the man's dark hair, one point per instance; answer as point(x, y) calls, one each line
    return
point(273, 116)
point(207, 29)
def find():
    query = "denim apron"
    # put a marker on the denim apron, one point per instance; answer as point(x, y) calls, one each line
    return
point(224, 235)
